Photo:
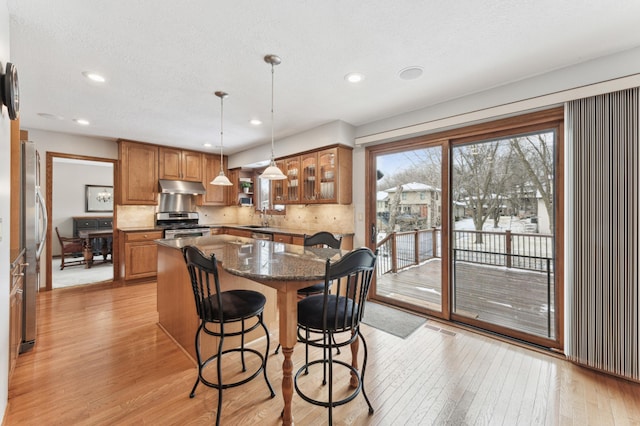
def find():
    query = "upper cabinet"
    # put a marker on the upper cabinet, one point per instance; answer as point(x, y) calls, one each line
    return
point(283, 191)
point(216, 195)
point(177, 164)
point(316, 177)
point(138, 173)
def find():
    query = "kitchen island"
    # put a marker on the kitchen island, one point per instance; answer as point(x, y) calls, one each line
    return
point(278, 270)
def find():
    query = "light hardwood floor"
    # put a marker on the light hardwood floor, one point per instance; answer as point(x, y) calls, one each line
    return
point(101, 359)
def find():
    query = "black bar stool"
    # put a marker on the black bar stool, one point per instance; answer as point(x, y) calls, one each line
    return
point(221, 308)
point(337, 318)
point(319, 239)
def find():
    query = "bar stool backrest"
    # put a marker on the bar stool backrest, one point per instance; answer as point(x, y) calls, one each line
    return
point(203, 272)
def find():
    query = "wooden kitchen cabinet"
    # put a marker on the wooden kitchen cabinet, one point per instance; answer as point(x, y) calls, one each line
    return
point(15, 310)
point(139, 254)
point(246, 233)
point(232, 191)
point(325, 176)
point(287, 191)
point(138, 173)
point(283, 238)
point(216, 195)
point(178, 164)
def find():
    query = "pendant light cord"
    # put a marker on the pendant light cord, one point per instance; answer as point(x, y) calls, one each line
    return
point(272, 84)
point(221, 131)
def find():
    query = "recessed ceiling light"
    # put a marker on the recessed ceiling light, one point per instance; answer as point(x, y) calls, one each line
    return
point(50, 116)
point(82, 121)
point(255, 122)
point(94, 76)
point(354, 77)
point(410, 73)
point(207, 145)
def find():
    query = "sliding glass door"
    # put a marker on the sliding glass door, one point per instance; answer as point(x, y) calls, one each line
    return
point(467, 225)
point(503, 233)
point(408, 221)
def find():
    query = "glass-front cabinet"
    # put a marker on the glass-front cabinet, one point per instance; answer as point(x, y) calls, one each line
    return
point(309, 176)
point(279, 188)
point(291, 167)
point(320, 176)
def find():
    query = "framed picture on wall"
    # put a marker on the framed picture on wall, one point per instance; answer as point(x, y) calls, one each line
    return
point(99, 198)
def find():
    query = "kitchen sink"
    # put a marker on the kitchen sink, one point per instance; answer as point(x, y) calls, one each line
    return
point(253, 226)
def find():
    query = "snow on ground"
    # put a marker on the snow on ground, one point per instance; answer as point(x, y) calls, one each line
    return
point(506, 223)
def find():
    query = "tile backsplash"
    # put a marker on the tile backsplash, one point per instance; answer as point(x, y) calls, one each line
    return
point(310, 218)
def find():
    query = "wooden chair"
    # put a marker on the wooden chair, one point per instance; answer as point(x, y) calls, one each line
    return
point(221, 308)
point(69, 246)
point(336, 316)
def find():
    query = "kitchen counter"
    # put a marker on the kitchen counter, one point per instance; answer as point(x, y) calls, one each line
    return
point(139, 228)
point(243, 264)
point(259, 259)
point(257, 228)
point(289, 231)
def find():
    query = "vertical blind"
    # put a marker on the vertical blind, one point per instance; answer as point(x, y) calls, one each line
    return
point(603, 290)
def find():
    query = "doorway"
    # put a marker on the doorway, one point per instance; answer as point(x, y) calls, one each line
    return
point(71, 183)
point(468, 225)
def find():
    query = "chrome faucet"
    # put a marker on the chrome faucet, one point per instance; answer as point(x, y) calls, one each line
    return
point(264, 217)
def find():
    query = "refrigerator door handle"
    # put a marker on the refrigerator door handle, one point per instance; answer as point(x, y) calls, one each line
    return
point(43, 210)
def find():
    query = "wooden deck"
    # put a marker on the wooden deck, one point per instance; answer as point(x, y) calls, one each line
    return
point(512, 298)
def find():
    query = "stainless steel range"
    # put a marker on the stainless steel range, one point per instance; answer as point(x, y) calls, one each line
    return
point(181, 224)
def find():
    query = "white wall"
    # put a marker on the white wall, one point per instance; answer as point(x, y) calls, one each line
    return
point(66, 143)
point(504, 98)
point(5, 201)
point(607, 68)
point(327, 134)
point(69, 180)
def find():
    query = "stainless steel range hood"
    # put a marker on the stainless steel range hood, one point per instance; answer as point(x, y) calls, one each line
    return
point(180, 187)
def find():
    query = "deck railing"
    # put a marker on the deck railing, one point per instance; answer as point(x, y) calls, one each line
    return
point(543, 264)
point(401, 250)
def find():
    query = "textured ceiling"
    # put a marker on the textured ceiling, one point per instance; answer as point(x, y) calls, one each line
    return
point(164, 59)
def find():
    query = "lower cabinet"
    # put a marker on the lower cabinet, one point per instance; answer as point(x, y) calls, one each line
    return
point(140, 254)
point(283, 238)
point(239, 232)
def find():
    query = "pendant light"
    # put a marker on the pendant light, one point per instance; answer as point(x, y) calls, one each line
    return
point(272, 172)
point(221, 179)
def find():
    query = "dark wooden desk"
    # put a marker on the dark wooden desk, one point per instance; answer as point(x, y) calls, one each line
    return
point(87, 247)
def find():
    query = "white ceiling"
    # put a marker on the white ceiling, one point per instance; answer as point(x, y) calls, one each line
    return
point(164, 59)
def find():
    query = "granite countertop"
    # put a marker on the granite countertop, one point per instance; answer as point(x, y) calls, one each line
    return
point(139, 228)
point(263, 229)
point(261, 260)
point(278, 230)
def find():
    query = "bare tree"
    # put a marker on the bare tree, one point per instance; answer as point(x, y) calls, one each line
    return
point(479, 174)
point(536, 155)
point(394, 209)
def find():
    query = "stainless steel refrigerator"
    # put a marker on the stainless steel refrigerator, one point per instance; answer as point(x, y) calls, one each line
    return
point(33, 232)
